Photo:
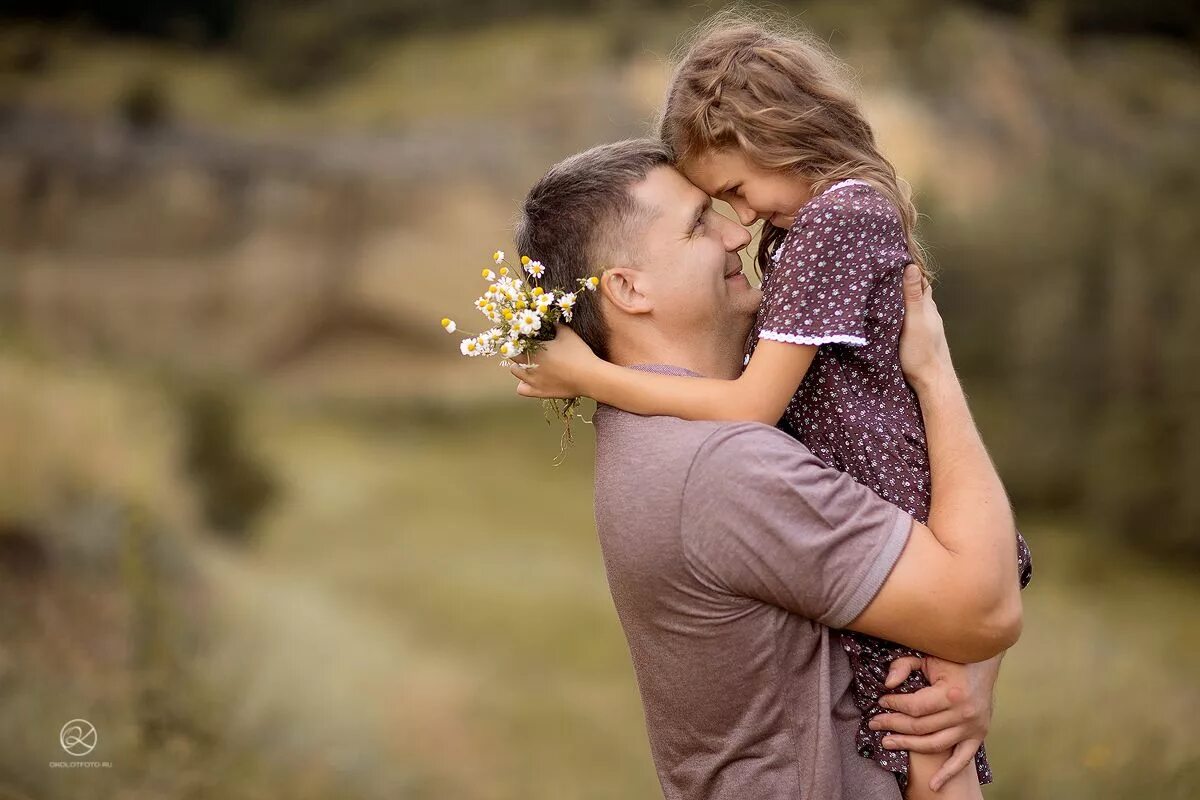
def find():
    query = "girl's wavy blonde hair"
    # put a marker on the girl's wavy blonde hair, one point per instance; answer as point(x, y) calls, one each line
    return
point(786, 101)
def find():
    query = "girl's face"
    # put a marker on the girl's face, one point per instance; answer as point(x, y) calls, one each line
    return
point(753, 192)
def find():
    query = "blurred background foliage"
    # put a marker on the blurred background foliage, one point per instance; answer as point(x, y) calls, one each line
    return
point(263, 527)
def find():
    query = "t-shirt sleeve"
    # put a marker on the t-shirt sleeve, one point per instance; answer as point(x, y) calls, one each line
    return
point(827, 266)
point(765, 518)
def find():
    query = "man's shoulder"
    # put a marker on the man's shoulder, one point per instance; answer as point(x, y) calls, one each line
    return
point(735, 456)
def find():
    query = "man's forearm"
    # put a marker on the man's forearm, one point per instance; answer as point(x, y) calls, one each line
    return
point(970, 514)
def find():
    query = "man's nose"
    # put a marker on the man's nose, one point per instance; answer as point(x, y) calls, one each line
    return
point(737, 236)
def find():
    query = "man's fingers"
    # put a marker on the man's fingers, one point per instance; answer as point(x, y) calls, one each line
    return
point(933, 743)
point(920, 703)
point(960, 759)
point(900, 669)
point(525, 390)
point(921, 726)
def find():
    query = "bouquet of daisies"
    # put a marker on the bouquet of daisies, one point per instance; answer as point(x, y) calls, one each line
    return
point(522, 314)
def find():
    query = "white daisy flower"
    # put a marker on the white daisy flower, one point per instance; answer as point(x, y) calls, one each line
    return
point(510, 349)
point(528, 322)
point(567, 304)
point(449, 325)
point(498, 256)
point(469, 347)
point(535, 269)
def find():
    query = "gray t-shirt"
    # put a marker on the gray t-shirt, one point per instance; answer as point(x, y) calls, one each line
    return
point(729, 548)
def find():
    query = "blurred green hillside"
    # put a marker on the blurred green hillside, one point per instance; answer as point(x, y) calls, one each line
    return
point(266, 529)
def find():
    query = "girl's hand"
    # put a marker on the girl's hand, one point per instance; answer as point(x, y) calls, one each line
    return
point(559, 369)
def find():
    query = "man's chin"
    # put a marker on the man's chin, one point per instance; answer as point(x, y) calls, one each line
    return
point(745, 304)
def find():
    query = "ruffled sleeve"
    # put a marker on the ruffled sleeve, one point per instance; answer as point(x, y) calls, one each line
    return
point(828, 265)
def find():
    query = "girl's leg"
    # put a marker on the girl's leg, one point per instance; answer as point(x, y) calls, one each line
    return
point(923, 766)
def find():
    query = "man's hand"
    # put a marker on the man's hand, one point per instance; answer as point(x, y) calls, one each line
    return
point(924, 353)
point(558, 369)
point(952, 714)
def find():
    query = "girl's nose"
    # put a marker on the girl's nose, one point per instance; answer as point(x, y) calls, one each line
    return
point(745, 214)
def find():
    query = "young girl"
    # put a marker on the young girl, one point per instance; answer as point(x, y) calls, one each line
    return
point(764, 123)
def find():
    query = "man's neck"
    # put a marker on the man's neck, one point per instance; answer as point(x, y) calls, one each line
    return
point(709, 356)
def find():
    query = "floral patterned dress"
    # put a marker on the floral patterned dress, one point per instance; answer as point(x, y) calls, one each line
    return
point(837, 283)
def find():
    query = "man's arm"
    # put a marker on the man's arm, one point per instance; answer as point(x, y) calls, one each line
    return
point(960, 572)
point(765, 518)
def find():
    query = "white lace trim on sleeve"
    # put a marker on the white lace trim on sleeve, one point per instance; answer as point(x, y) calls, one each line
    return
point(832, 338)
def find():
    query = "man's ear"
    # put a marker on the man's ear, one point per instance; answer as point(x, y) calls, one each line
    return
point(622, 287)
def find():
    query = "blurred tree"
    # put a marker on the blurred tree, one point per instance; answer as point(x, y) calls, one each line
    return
point(235, 487)
point(144, 104)
point(192, 21)
point(1178, 19)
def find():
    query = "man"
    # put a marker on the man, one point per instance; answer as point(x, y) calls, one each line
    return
point(730, 549)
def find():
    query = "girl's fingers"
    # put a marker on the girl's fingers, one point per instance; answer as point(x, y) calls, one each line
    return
point(918, 726)
point(960, 759)
point(900, 669)
point(934, 743)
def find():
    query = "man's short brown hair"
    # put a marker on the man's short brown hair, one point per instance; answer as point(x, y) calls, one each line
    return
point(581, 216)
